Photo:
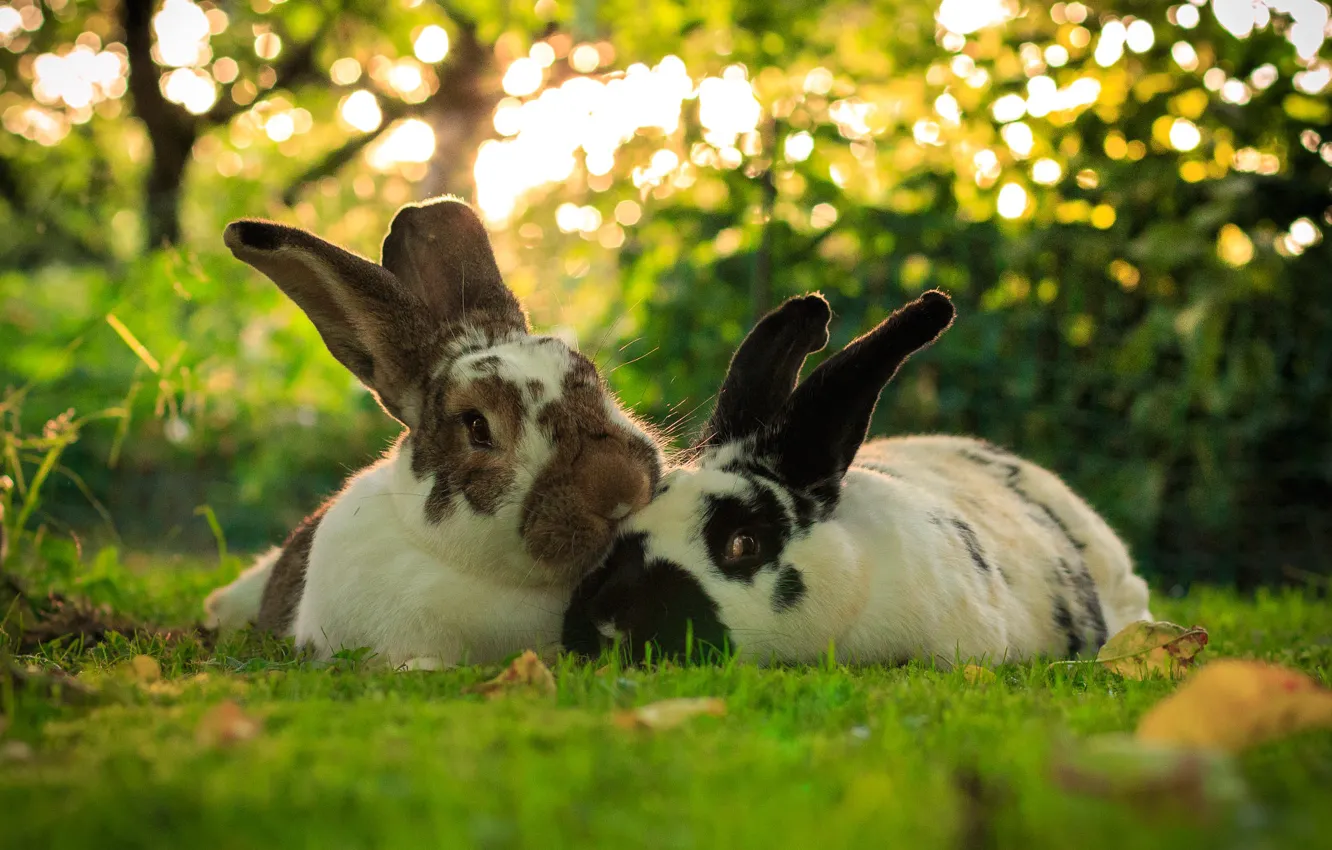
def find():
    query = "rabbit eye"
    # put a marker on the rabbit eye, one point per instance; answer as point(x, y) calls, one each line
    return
point(478, 429)
point(742, 546)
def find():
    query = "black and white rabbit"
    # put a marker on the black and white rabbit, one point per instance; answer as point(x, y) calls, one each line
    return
point(464, 542)
point(790, 535)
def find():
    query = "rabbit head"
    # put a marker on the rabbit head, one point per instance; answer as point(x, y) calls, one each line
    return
point(733, 551)
point(512, 440)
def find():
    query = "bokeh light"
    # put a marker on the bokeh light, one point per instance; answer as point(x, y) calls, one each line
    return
point(523, 77)
point(182, 31)
point(582, 114)
point(798, 146)
point(190, 87)
point(1012, 201)
point(345, 71)
point(964, 17)
point(409, 141)
point(1046, 172)
point(360, 110)
point(79, 79)
point(1184, 135)
point(432, 45)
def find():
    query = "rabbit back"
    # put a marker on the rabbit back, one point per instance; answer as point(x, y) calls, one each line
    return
point(1036, 562)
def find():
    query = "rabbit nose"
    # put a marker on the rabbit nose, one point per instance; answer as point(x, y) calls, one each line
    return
point(614, 483)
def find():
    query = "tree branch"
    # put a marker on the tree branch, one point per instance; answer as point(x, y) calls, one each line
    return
point(461, 98)
point(18, 200)
point(296, 67)
point(335, 159)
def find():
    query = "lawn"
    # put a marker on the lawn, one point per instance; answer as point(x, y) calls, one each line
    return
point(827, 757)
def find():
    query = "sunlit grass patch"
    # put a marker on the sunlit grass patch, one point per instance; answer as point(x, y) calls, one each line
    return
point(243, 741)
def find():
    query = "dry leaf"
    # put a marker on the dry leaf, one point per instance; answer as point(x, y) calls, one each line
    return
point(526, 674)
point(1144, 648)
point(977, 675)
point(15, 751)
point(669, 713)
point(225, 724)
point(1232, 704)
point(1149, 776)
point(145, 669)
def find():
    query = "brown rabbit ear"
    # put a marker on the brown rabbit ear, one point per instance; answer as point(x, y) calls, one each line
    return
point(366, 318)
point(440, 251)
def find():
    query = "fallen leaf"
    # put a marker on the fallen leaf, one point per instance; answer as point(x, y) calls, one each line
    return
point(164, 688)
point(1232, 704)
point(1144, 649)
point(1149, 776)
point(601, 671)
point(145, 669)
point(15, 751)
point(526, 674)
point(669, 713)
point(977, 675)
point(224, 724)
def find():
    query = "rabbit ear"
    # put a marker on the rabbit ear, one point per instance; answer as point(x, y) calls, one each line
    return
point(825, 421)
point(366, 318)
point(440, 251)
point(765, 368)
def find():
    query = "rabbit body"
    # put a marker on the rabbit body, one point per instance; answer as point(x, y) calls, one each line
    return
point(790, 535)
point(514, 469)
point(380, 576)
point(963, 550)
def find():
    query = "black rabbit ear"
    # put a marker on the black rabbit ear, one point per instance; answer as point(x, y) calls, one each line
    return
point(825, 421)
point(765, 368)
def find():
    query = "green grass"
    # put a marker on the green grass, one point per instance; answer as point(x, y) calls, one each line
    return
point(903, 758)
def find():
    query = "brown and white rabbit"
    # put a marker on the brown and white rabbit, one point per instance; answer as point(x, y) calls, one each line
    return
point(517, 464)
point(791, 535)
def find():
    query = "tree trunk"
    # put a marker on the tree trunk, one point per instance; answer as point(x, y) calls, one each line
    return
point(166, 178)
point(460, 115)
point(171, 130)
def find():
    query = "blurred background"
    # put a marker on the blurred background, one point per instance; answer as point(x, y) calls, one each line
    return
point(1127, 200)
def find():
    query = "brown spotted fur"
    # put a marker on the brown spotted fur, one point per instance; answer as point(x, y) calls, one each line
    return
point(394, 326)
point(282, 593)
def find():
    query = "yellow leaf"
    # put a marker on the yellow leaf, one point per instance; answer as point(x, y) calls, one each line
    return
point(1144, 649)
point(15, 751)
point(669, 713)
point(977, 675)
point(225, 724)
point(526, 674)
point(1232, 704)
point(145, 669)
point(1150, 777)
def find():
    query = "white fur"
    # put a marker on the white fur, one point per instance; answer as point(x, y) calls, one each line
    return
point(237, 604)
point(886, 577)
point(427, 595)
